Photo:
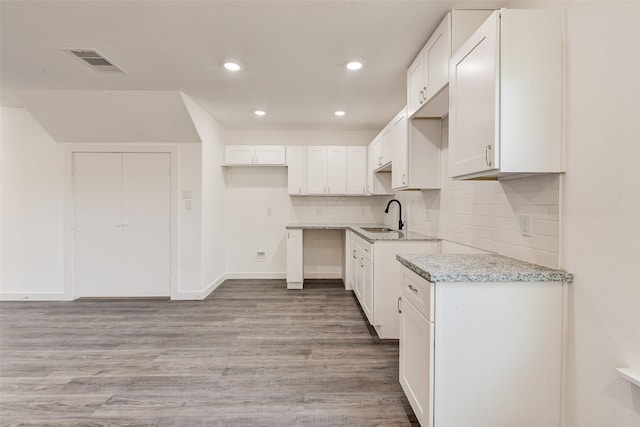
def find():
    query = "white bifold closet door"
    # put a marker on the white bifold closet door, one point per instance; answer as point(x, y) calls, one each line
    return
point(122, 214)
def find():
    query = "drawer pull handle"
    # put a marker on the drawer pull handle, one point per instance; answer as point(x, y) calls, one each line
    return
point(399, 302)
point(413, 289)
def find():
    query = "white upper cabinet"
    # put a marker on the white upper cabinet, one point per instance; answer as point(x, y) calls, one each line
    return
point(317, 170)
point(357, 170)
point(336, 170)
point(245, 155)
point(297, 170)
point(416, 161)
point(415, 84)
point(428, 75)
point(505, 113)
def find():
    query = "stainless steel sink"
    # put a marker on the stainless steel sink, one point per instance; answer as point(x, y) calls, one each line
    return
point(378, 229)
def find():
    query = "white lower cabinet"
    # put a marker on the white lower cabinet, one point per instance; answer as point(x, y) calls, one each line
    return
point(295, 261)
point(416, 361)
point(373, 271)
point(362, 273)
point(482, 354)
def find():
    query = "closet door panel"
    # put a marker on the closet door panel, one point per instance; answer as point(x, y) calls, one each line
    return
point(146, 195)
point(97, 187)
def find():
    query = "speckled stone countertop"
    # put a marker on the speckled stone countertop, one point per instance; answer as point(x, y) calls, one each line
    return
point(480, 268)
point(368, 236)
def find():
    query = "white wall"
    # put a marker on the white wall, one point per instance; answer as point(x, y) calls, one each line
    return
point(485, 214)
point(210, 198)
point(601, 212)
point(258, 209)
point(32, 209)
point(298, 137)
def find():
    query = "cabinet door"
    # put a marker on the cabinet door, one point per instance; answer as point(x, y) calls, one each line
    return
point(296, 172)
point(376, 147)
point(353, 263)
point(316, 170)
point(239, 155)
point(371, 165)
point(359, 276)
point(367, 288)
point(415, 84)
point(473, 102)
point(356, 170)
point(336, 170)
point(437, 53)
point(416, 362)
point(400, 170)
point(270, 155)
point(295, 264)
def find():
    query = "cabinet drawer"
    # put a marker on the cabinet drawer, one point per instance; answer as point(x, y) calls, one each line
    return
point(363, 247)
point(419, 291)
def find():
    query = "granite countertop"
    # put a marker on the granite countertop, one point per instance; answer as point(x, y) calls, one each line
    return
point(480, 268)
point(371, 237)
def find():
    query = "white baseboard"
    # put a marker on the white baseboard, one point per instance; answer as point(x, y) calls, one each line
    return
point(33, 296)
point(256, 276)
point(199, 295)
point(325, 275)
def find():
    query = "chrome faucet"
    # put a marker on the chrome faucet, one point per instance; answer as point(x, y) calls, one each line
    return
point(400, 223)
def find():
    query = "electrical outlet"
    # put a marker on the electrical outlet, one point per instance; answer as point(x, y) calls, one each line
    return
point(269, 212)
point(526, 225)
point(261, 256)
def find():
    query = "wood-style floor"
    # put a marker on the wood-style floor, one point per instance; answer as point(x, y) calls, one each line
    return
point(251, 354)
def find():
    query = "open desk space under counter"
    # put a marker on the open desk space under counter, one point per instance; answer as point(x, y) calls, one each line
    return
point(369, 266)
point(483, 333)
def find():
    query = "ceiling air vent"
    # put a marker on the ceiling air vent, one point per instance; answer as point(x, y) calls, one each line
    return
point(95, 59)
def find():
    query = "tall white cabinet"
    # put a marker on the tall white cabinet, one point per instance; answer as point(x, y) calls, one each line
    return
point(121, 224)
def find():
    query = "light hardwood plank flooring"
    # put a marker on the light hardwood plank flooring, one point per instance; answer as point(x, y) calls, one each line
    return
point(251, 354)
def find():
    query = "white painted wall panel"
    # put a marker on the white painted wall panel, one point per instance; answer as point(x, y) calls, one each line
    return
point(32, 201)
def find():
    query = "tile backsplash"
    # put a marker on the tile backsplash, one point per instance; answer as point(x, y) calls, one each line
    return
point(486, 214)
point(334, 210)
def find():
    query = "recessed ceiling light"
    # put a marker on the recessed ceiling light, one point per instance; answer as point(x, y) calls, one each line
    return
point(339, 113)
point(232, 65)
point(259, 113)
point(354, 65)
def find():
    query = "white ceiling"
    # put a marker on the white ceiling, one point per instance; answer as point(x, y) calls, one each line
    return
point(293, 52)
